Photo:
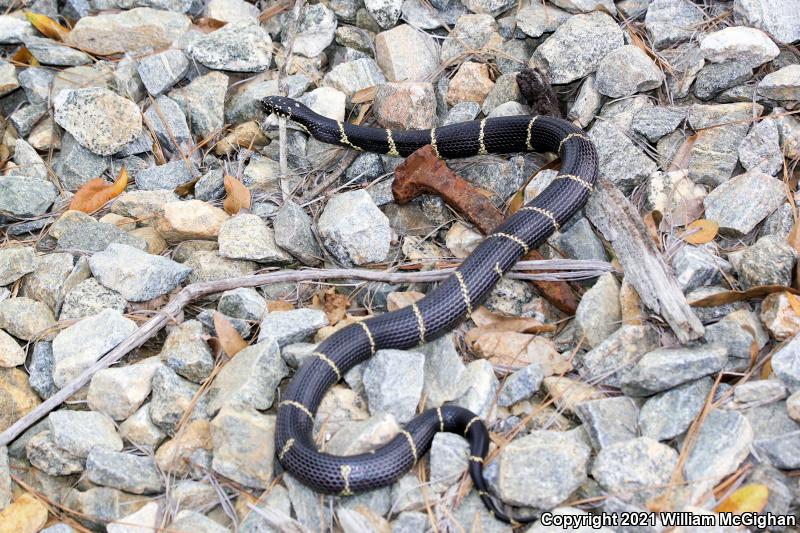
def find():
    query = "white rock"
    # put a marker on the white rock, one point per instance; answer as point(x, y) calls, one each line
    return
point(740, 43)
point(354, 230)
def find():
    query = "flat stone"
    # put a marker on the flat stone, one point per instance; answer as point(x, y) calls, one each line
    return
point(44, 454)
point(761, 391)
point(326, 101)
point(120, 391)
point(186, 352)
point(714, 78)
point(240, 47)
point(609, 420)
point(78, 432)
point(352, 76)
point(697, 266)
point(625, 71)
point(635, 470)
point(76, 164)
point(124, 471)
point(288, 327)
point(27, 121)
point(316, 30)
point(98, 119)
point(40, 370)
point(742, 202)
point(720, 446)
point(188, 520)
point(244, 303)
point(8, 78)
point(132, 30)
point(537, 19)
point(665, 368)
point(773, 16)
point(95, 237)
point(577, 47)
point(783, 84)
point(15, 262)
point(449, 460)
point(671, 21)
point(738, 331)
point(250, 379)
point(760, 150)
point(471, 83)
point(403, 106)
point(167, 176)
point(247, 236)
point(171, 397)
point(781, 451)
point(384, 12)
point(354, 230)
point(159, 72)
point(182, 455)
point(770, 261)
point(144, 205)
point(13, 29)
point(167, 120)
point(599, 313)
point(406, 54)
point(244, 446)
point(471, 32)
point(655, 122)
point(478, 384)
point(521, 385)
point(25, 318)
point(668, 414)
point(146, 519)
point(192, 219)
point(79, 346)
point(294, 233)
point(136, 275)
point(23, 197)
point(621, 160)
point(748, 45)
point(203, 101)
point(543, 468)
point(207, 265)
point(88, 298)
point(49, 52)
point(28, 161)
point(615, 355)
point(140, 430)
point(232, 11)
point(393, 380)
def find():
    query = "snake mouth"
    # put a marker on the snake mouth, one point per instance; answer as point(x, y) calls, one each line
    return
point(278, 105)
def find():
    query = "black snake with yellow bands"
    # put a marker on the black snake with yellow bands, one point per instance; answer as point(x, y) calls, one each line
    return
point(441, 310)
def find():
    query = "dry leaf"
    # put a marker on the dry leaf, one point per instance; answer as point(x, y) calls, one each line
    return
point(238, 197)
point(794, 302)
point(766, 369)
point(680, 160)
point(651, 222)
point(23, 56)
point(794, 237)
point(208, 24)
point(729, 297)
point(96, 193)
point(279, 305)
point(701, 231)
point(332, 303)
point(489, 322)
point(746, 499)
point(365, 95)
point(327, 331)
point(516, 350)
point(47, 26)
point(186, 188)
point(232, 343)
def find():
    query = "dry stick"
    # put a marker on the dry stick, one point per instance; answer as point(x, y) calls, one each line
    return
point(198, 290)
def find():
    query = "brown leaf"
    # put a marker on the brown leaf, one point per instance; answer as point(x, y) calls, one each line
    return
point(232, 343)
point(332, 303)
point(96, 193)
point(680, 160)
point(794, 302)
point(651, 222)
point(365, 95)
point(701, 231)
point(208, 24)
point(729, 297)
point(47, 26)
point(279, 305)
point(794, 237)
point(186, 188)
point(238, 197)
point(750, 498)
point(516, 350)
point(487, 320)
point(23, 56)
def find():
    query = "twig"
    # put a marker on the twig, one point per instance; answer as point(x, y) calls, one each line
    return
point(198, 290)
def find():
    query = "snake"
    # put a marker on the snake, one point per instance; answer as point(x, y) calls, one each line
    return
point(441, 310)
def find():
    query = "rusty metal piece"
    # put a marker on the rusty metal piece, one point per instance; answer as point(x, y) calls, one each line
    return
point(422, 172)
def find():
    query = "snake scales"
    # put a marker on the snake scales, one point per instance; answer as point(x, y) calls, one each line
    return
point(441, 310)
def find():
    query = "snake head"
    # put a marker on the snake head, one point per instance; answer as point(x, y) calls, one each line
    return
point(279, 105)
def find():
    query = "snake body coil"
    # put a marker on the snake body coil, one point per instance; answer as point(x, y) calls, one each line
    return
point(441, 310)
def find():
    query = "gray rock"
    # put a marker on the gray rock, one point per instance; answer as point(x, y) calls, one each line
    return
point(247, 236)
point(140, 430)
point(762, 391)
point(385, 12)
point(44, 454)
point(78, 432)
point(697, 266)
point(171, 396)
point(124, 471)
point(26, 117)
point(243, 303)
point(55, 273)
point(365, 168)
point(773, 16)
point(326, 101)
point(207, 265)
point(655, 122)
point(443, 371)
point(612, 358)
point(577, 47)
point(668, 414)
point(88, 298)
point(722, 443)
point(409, 522)
point(25, 197)
point(315, 31)
point(36, 82)
point(621, 161)
point(40, 370)
point(714, 78)
point(25, 318)
point(244, 446)
point(783, 84)
point(288, 327)
point(738, 332)
point(186, 352)
point(120, 391)
point(354, 230)
point(76, 165)
point(49, 52)
point(671, 21)
point(471, 32)
point(461, 112)
point(666, 368)
point(786, 364)
point(28, 161)
point(238, 46)
point(543, 468)
point(136, 275)
point(625, 71)
point(15, 262)
point(635, 470)
point(166, 119)
point(780, 451)
point(748, 45)
point(142, 143)
point(537, 19)
point(203, 102)
point(406, 54)
point(99, 120)
point(188, 520)
point(599, 313)
point(521, 385)
point(449, 460)
point(760, 150)
point(294, 233)
point(79, 346)
point(244, 102)
point(478, 389)
point(770, 261)
point(210, 186)
point(159, 72)
point(352, 76)
point(393, 382)
point(14, 29)
point(250, 379)
point(742, 202)
point(97, 236)
point(167, 176)
point(608, 421)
